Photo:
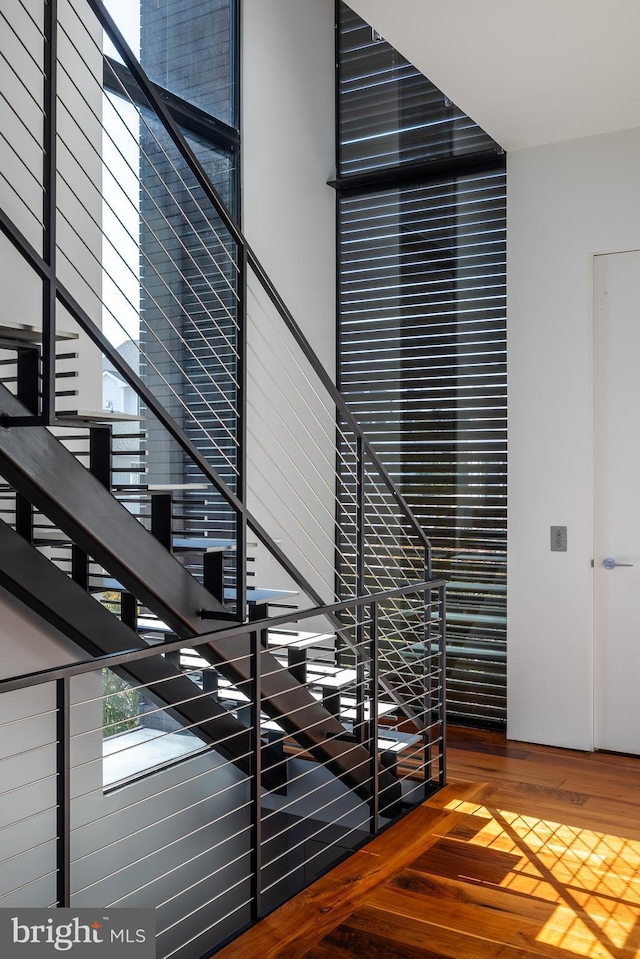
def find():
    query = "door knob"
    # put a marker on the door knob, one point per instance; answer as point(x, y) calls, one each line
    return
point(610, 563)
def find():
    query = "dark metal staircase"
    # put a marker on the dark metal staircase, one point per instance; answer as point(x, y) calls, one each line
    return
point(42, 471)
point(46, 590)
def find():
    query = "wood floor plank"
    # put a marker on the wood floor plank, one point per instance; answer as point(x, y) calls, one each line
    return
point(545, 900)
point(476, 741)
point(598, 816)
point(494, 924)
point(613, 872)
point(348, 943)
point(411, 939)
point(598, 892)
point(295, 926)
point(531, 852)
point(451, 858)
point(604, 785)
point(495, 768)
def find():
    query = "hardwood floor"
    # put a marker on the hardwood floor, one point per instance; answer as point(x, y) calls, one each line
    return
point(529, 851)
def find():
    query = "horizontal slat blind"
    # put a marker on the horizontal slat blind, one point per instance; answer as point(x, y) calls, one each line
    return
point(390, 114)
point(422, 362)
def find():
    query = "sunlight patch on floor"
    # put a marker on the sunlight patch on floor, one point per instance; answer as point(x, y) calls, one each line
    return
point(593, 878)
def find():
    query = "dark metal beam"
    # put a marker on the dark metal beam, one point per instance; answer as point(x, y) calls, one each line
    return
point(423, 171)
point(61, 602)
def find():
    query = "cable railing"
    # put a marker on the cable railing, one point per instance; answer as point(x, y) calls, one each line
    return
point(311, 446)
point(21, 148)
point(208, 846)
point(218, 441)
point(168, 274)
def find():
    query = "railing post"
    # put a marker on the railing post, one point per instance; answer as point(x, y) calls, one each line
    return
point(63, 792)
point(162, 518)
point(427, 682)
point(255, 698)
point(442, 669)
point(359, 724)
point(242, 411)
point(100, 453)
point(49, 210)
point(100, 447)
point(374, 804)
point(428, 572)
point(28, 378)
point(360, 558)
point(360, 518)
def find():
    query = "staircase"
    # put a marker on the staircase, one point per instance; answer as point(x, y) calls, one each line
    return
point(233, 550)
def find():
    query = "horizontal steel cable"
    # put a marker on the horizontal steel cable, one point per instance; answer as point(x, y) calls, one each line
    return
point(178, 270)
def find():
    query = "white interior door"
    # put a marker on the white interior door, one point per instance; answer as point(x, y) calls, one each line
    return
point(617, 502)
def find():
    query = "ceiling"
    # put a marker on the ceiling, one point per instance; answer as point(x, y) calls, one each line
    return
point(528, 71)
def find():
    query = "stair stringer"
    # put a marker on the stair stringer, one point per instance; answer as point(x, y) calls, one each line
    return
point(47, 591)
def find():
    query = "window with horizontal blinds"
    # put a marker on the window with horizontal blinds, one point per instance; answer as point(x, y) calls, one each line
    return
point(389, 113)
point(422, 336)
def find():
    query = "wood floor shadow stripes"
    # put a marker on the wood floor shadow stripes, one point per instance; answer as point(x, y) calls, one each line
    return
point(529, 852)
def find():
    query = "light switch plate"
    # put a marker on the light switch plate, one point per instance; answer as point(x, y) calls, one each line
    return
point(558, 539)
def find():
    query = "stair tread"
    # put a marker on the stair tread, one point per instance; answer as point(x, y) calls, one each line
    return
point(228, 690)
point(82, 417)
point(25, 333)
point(206, 544)
point(343, 677)
point(319, 674)
point(387, 743)
point(257, 594)
point(299, 639)
point(254, 594)
point(349, 712)
point(175, 487)
point(324, 674)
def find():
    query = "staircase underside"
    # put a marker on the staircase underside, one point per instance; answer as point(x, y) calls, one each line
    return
point(47, 591)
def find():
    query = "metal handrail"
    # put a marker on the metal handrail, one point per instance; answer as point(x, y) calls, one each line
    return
point(99, 339)
point(111, 660)
point(334, 392)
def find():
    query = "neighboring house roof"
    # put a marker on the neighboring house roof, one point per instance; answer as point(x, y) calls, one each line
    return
point(130, 353)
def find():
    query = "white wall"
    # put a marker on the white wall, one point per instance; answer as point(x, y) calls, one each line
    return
point(566, 202)
point(288, 131)
point(288, 156)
